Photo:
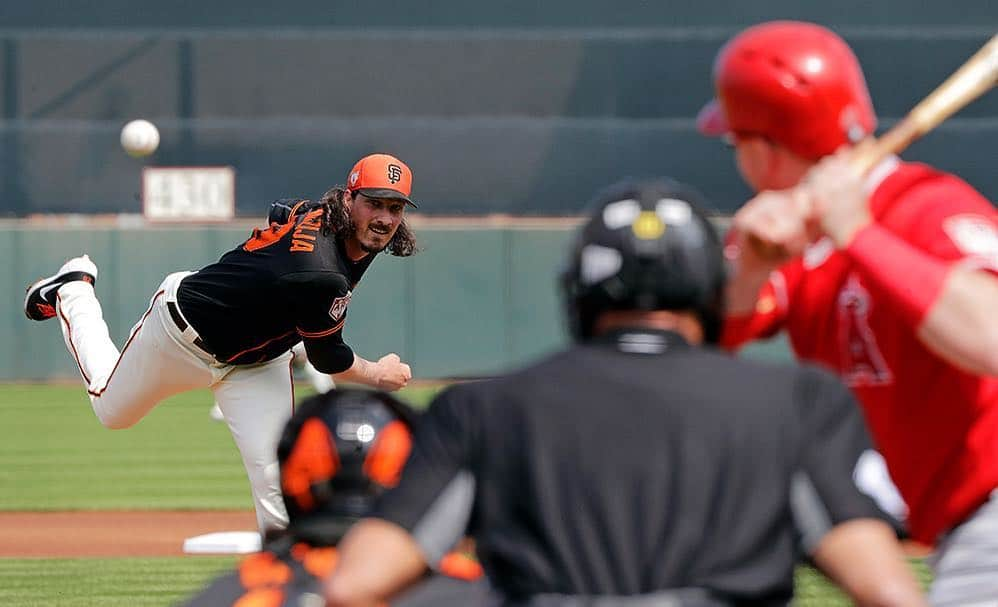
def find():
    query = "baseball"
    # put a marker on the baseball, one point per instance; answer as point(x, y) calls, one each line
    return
point(139, 138)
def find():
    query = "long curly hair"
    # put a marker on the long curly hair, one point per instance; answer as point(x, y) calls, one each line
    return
point(336, 220)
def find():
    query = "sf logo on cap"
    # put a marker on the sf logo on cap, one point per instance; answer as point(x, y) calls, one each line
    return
point(394, 173)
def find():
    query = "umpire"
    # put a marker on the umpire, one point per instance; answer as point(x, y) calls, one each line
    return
point(640, 466)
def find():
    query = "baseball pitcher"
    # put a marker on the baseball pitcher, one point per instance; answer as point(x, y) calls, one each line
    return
point(230, 326)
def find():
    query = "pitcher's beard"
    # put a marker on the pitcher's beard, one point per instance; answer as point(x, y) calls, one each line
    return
point(363, 245)
point(369, 249)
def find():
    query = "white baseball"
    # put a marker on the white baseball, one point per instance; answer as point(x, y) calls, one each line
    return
point(139, 138)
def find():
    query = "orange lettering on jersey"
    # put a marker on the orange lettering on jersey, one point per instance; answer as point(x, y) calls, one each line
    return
point(266, 237)
point(305, 233)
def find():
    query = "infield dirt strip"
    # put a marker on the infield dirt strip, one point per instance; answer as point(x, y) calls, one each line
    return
point(109, 533)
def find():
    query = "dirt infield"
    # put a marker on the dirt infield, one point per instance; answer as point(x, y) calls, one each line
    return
point(134, 532)
point(111, 533)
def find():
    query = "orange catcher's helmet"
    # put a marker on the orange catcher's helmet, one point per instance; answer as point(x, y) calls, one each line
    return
point(795, 83)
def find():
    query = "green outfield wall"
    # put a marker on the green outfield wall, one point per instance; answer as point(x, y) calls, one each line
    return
point(477, 299)
point(518, 107)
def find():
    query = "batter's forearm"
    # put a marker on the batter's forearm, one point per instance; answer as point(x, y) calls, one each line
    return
point(960, 326)
point(950, 307)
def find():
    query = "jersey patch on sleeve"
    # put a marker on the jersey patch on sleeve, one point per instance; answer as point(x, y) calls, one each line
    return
point(975, 236)
point(339, 307)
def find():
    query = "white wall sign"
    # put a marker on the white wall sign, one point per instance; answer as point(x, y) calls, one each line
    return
point(189, 193)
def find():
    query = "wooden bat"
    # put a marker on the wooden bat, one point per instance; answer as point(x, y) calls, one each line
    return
point(975, 77)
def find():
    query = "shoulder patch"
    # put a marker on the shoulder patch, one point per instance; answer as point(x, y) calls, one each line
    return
point(339, 307)
point(974, 235)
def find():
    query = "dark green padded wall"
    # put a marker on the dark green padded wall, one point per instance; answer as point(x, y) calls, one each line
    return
point(462, 14)
point(517, 107)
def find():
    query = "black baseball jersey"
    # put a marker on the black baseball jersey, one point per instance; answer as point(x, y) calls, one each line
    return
point(634, 464)
point(286, 283)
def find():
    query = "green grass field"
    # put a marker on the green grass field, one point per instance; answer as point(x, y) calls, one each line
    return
point(55, 455)
point(133, 582)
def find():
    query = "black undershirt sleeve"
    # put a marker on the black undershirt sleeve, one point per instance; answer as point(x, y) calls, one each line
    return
point(434, 499)
point(318, 303)
point(329, 355)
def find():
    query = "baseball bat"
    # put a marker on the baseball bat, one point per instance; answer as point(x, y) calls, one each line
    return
point(976, 76)
point(971, 80)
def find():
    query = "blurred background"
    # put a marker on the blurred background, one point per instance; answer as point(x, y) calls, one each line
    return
point(511, 114)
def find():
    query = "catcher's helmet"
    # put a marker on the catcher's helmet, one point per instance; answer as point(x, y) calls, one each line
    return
point(647, 246)
point(338, 453)
point(795, 83)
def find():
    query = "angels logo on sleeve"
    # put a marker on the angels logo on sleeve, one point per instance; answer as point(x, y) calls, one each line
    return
point(976, 236)
point(339, 307)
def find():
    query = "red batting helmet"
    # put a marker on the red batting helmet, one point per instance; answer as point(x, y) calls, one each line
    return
point(795, 83)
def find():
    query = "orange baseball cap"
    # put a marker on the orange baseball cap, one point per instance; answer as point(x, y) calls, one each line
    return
point(381, 176)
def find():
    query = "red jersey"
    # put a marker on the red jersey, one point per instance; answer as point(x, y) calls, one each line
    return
point(936, 425)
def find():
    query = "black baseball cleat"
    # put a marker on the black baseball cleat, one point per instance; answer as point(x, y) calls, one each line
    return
point(39, 301)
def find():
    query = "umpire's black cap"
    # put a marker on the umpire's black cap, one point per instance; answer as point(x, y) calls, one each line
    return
point(648, 245)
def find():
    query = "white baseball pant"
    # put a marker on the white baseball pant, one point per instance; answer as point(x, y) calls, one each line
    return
point(159, 360)
point(965, 562)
